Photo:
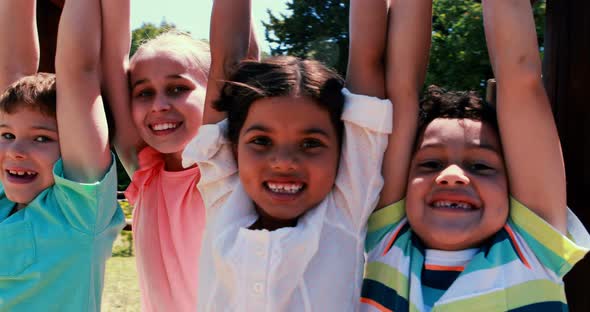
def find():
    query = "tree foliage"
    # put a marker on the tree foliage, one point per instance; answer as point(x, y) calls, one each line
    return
point(458, 58)
point(316, 29)
point(146, 32)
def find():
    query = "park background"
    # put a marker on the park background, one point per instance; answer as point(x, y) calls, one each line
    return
point(318, 29)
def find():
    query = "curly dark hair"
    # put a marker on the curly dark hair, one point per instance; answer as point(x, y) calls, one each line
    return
point(36, 92)
point(276, 77)
point(439, 103)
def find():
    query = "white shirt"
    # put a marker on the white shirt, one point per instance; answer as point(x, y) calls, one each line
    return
point(314, 266)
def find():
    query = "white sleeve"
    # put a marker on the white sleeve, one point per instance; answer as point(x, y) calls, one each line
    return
point(367, 124)
point(212, 152)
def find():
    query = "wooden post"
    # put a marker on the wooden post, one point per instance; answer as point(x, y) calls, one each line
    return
point(567, 76)
point(491, 92)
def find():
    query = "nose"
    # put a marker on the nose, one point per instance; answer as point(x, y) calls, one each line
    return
point(284, 159)
point(17, 150)
point(452, 175)
point(160, 104)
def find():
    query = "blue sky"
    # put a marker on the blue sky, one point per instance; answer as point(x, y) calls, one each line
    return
point(194, 15)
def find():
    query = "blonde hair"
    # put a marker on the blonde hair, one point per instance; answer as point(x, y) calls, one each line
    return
point(196, 53)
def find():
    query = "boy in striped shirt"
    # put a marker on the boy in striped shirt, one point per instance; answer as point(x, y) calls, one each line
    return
point(484, 225)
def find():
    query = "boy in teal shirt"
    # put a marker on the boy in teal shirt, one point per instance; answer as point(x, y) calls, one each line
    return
point(58, 209)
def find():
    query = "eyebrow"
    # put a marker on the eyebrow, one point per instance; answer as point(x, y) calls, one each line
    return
point(174, 76)
point(308, 131)
point(484, 146)
point(34, 127)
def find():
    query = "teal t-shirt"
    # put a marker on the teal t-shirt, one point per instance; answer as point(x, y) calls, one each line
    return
point(53, 252)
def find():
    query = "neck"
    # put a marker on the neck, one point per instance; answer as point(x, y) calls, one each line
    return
point(173, 162)
point(16, 208)
point(269, 223)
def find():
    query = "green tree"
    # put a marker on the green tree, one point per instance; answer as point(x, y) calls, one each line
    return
point(146, 32)
point(458, 59)
point(316, 29)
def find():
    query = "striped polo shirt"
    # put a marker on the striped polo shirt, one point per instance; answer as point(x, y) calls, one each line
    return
point(520, 268)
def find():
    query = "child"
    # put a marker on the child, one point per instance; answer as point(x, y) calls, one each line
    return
point(469, 241)
point(288, 179)
point(58, 209)
point(167, 76)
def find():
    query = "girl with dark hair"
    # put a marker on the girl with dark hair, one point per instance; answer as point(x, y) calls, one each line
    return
point(291, 170)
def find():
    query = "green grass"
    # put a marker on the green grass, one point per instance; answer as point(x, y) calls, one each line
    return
point(121, 289)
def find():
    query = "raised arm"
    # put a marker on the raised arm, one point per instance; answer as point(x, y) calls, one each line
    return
point(408, 45)
point(230, 43)
point(19, 55)
point(366, 53)
point(529, 137)
point(81, 118)
point(116, 42)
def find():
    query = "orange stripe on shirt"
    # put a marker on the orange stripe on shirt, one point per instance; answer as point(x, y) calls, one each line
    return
point(434, 267)
point(375, 304)
point(399, 228)
point(516, 246)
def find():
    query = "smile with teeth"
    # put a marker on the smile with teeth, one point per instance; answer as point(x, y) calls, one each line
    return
point(164, 126)
point(22, 173)
point(452, 205)
point(284, 188)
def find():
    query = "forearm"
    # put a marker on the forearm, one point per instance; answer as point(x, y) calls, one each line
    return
point(512, 41)
point(397, 157)
point(19, 55)
point(230, 43)
point(80, 112)
point(79, 39)
point(116, 42)
point(408, 47)
point(407, 58)
point(368, 36)
point(527, 129)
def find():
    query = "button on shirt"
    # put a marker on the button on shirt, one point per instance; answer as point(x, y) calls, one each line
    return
point(314, 266)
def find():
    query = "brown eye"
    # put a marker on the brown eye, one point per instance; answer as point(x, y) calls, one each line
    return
point(430, 165)
point(480, 168)
point(262, 141)
point(42, 139)
point(176, 90)
point(311, 143)
point(144, 93)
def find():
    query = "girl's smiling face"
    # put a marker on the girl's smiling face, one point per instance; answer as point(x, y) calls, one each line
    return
point(167, 97)
point(457, 191)
point(287, 153)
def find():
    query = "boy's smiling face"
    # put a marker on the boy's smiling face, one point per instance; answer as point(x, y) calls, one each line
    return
point(287, 153)
point(457, 190)
point(29, 147)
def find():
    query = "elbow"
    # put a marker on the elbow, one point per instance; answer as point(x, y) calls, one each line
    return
point(527, 81)
point(77, 68)
point(402, 89)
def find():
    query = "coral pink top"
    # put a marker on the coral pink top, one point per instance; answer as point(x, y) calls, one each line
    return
point(168, 223)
